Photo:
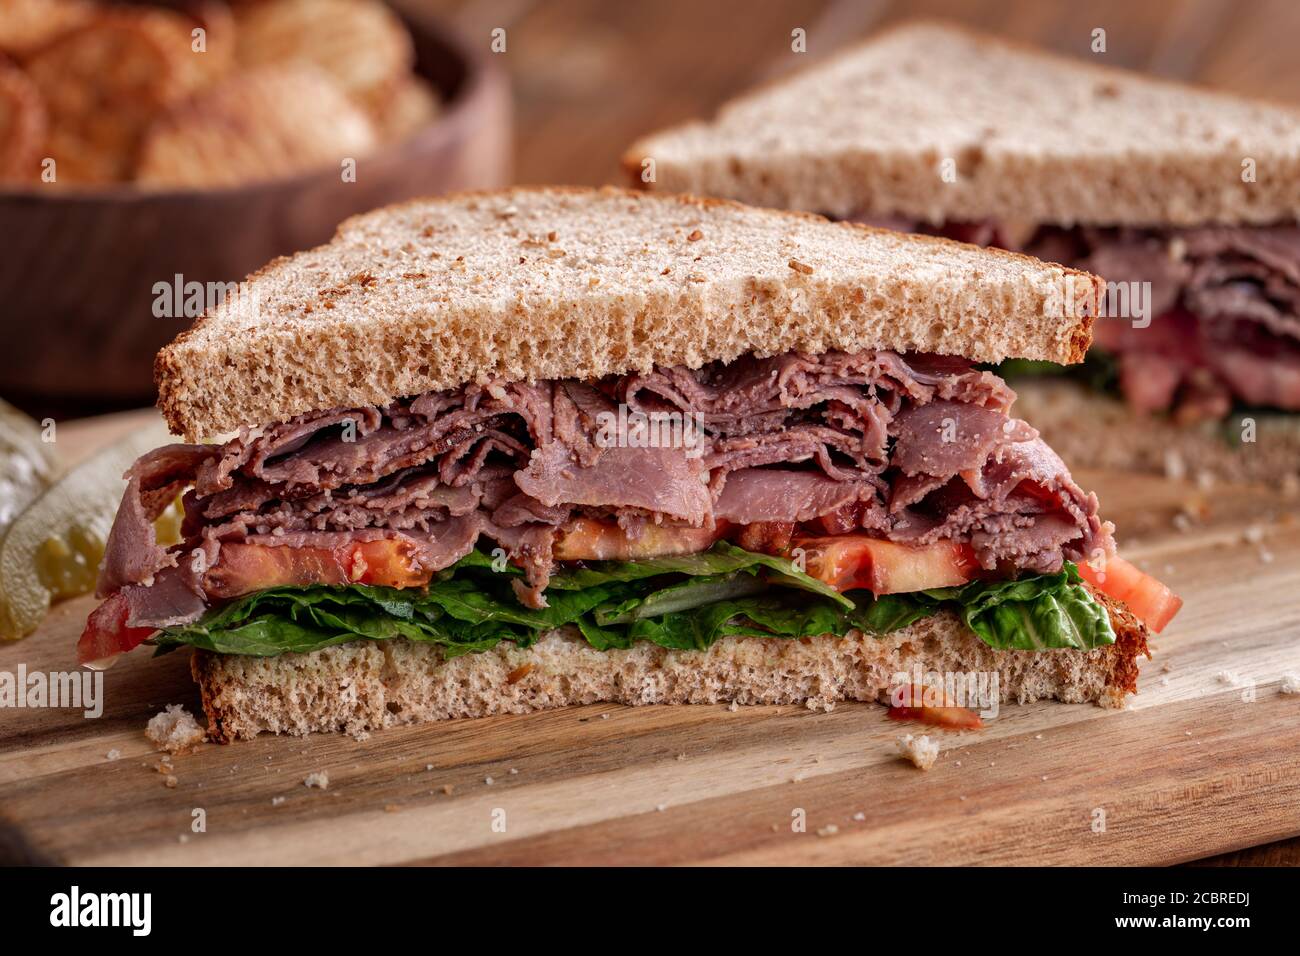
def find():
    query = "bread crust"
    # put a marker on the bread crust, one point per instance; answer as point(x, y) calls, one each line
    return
point(569, 282)
point(1037, 137)
point(367, 685)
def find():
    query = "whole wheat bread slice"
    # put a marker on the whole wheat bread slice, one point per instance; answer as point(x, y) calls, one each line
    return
point(553, 282)
point(368, 685)
point(1031, 136)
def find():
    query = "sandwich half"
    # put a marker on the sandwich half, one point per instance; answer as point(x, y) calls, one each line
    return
point(1183, 200)
point(515, 450)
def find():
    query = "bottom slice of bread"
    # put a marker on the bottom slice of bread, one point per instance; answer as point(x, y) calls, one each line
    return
point(1090, 430)
point(368, 685)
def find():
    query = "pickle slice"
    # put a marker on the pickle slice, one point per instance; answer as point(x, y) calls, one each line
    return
point(53, 548)
point(27, 464)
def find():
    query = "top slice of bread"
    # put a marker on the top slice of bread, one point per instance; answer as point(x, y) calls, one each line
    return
point(1032, 137)
point(558, 283)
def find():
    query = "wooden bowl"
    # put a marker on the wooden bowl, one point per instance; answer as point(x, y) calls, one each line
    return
point(78, 267)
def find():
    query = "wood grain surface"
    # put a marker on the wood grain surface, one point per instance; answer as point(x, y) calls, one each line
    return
point(1205, 760)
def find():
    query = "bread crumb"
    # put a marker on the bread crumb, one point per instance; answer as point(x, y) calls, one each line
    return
point(1290, 684)
point(174, 730)
point(1253, 534)
point(1175, 467)
point(1228, 677)
point(113, 754)
point(859, 816)
point(428, 766)
point(170, 782)
point(514, 770)
point(1038, 736)
point(661, 807)
point(733, 707)
point(446, 788)
point(489, 781)
point(319, 779)
point(829, 830)
point(276, 801)
point(922, 751)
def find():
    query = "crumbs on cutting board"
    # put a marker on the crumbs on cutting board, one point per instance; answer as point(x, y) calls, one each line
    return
point(922, 751)
point(174, 730)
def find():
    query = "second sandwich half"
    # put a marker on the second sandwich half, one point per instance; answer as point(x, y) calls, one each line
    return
point(516, 450)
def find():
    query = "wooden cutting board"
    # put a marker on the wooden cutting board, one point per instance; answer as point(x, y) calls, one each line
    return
point(1206, 759)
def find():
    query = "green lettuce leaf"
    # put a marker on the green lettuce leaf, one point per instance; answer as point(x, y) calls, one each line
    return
point(684, 602)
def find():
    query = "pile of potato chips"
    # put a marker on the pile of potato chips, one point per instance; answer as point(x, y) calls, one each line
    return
point(202, 96)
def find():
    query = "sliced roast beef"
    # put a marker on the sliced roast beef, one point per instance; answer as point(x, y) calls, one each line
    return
point(1216, 278)
point(661, 480)
point(1208, 284)
point(947, 438)
point(910, 447)
point(754, 495)
point(132, 555)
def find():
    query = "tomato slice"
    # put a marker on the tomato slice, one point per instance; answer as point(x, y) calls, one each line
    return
point(1150, 600)
point(106, 634)
point(244, 568)
point(588, 539)
point(850, 561)
point(946, 714)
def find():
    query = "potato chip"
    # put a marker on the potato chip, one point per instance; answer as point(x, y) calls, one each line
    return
point(269, 122)
point(104, 82)
point(361, 43)
point(27, 25)
point(22, 126)
point(402, 109)
point(216, 57)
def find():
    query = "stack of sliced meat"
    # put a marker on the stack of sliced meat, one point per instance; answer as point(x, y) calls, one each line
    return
point(911, 448)
point(1225, 309)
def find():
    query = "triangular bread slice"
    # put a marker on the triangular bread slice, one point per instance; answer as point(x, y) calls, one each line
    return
point(1031, 137)
point(557, 283)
